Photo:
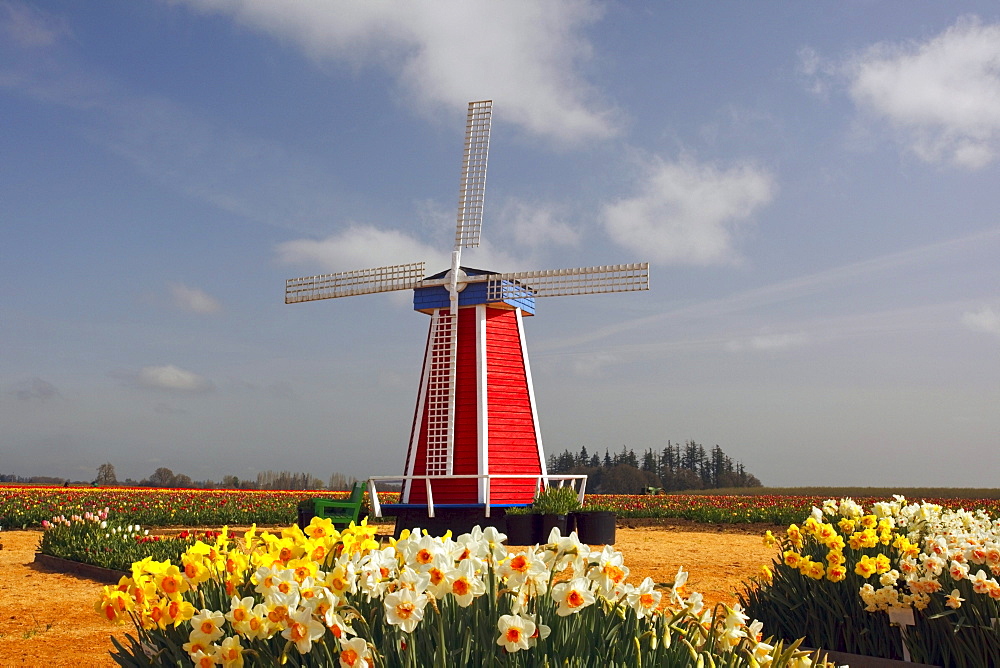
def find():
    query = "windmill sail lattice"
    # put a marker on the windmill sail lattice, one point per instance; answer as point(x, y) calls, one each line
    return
point(475, 348)
point(472, 185)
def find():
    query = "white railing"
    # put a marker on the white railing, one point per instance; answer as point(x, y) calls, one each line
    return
point(548, 479)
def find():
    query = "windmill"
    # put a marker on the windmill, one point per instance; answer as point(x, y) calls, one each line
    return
point(475, 429)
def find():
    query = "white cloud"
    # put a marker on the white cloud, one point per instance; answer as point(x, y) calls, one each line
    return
point(538, 224)
point(193, 299)
point(524, 54)
point(29, 27)
point(364, 246)
point(685, 213)
point(360, 247)
point(170, 377)
point(769, 342)
point(942, 95)
point(984, 320)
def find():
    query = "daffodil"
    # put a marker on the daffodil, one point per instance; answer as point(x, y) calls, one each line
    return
point(865, 567)
point(203, 659)
point(321, 527)
point(464, 584)
point(206, 626)
point(404, 608)
point(355, 654)
point(644, 599)
point(240, 612)
point(230, 653)
point(954, 599)
point(515, 632)
point(609, 571)
point(171, 581)
point(303, 630)
point(114, 605)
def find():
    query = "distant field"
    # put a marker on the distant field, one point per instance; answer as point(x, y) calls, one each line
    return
point(25, 506)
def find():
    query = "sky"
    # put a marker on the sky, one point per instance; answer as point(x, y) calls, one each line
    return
point(814, 186)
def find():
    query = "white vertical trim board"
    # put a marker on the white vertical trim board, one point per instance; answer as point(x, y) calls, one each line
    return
point(531, 391)
point(482, 399)
point(418, 418)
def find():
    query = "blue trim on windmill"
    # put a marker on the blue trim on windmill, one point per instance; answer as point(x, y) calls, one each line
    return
point(427, 299)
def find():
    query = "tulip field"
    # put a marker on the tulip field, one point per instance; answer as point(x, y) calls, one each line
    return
point(28, 506)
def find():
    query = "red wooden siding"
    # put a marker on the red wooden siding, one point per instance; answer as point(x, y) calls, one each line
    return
point(465, 459)
point(513, 447)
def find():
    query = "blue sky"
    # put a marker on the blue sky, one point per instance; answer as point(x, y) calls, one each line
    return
point(814, 185)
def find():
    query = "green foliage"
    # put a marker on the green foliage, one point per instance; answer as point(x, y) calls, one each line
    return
point(825, 614)
point(556, 501)
point(92, 540)
point(676, 468)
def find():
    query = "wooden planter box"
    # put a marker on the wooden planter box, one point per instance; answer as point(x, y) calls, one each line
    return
point(59, 565)
point(862, 661)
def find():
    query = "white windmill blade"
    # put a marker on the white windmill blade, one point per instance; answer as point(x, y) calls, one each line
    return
point(558, 282)
point(472, 186)
point(360, 282)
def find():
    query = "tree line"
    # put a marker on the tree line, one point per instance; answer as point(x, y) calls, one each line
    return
point(674, 468)
point(164, 477)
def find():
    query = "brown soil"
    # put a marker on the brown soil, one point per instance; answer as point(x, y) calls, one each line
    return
point(49, 619)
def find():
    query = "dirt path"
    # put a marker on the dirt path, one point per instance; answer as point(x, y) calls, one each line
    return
point(48, 619)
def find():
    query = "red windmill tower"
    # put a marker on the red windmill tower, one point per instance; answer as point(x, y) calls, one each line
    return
point(475, 441)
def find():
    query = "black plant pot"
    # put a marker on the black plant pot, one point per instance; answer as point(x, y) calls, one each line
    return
point(595, 527)
point(522, 529)
point(306, 513)
point(547, 522)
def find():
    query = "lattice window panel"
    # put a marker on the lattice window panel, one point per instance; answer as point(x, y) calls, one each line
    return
point(441, 395)
point(472, 186)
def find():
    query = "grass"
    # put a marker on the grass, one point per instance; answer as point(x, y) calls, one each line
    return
point(911, 493)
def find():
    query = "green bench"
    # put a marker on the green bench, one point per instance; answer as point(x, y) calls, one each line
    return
point(342, 512)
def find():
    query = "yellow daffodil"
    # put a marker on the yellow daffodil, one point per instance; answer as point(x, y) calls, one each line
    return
point(791, 558)
point(321, 527)
point(171, 581)
point(114, 605)
point(865, 567)
point(846, 525)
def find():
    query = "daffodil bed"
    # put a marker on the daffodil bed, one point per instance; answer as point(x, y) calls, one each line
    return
point(319, 597)
point(897, 579)
point(49, 617)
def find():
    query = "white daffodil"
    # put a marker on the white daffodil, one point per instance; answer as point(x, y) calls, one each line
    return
point(303, 630)
point(355, 654)
point(464, 584)
point(206, 626)
point(405, 609)
point(515, 632)
point(572, 596)
point(644, 599)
